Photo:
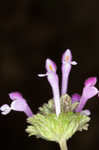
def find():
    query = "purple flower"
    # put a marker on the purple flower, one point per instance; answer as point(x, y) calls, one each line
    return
point(54, 82)
point(89, 91)
point(66, 67)
point(75, 98)
point(18, 104)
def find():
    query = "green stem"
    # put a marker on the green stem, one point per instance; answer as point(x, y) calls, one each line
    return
point(63, 145)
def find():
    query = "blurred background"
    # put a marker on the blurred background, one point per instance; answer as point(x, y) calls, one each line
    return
point(31, 31)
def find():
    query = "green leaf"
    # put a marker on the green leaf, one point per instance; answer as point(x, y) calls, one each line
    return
point(53, 128)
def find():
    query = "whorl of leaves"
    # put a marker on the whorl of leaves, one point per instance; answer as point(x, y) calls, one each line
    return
point(45, 124)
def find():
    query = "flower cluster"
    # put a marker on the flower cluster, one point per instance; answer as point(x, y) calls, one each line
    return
point(63, 115)
point(89, 90)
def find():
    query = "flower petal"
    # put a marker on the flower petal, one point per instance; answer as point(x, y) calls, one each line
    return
point(42, 75)
point(85, 112)
point(15, 95)
point(54, 82)
point(50, 65)
point(90, 81)
point(74, 63)
point(66, 68)
point(5, 109)
point(89, 92)
point(67, 56)
point(19, 105)
point(75, 98)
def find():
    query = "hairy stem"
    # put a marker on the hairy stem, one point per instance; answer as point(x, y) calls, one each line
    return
point(63, 145)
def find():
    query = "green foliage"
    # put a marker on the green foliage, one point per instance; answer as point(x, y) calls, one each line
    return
point(45, 124)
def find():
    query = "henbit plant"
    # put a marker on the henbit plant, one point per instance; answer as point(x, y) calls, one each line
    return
point(62, 116)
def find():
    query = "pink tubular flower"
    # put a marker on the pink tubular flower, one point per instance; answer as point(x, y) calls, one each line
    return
point(66, 67)
point(54, 82)
point(18, 104)
point(89, 91)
